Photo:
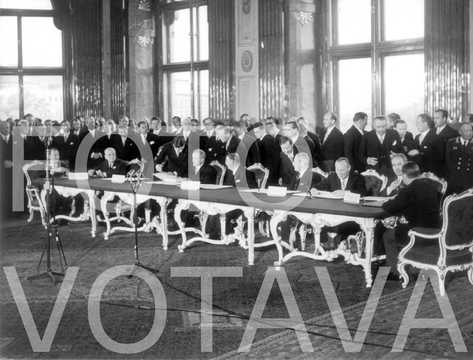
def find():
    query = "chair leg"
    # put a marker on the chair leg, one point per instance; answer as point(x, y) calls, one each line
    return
point(401, 268)
point(470, 275)
point(31, 215)
point(303, 236)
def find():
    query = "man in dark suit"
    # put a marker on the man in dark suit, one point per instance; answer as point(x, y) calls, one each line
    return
point(172, 157)
point(67, 144)
point(236, 175)
point(227, 143)
point(379, 145)
point(125, 147)
point(208, 139)
point(305, 179)
point(444, 132)
point(419, 203)
point(200, 171)
point(353, 141)
point(300, 143)
point(248, 145)
point(111, 165)
point(287, 173)
point(332, 143)
point(147, 138)
point(428, 153)
point(269, 151)
point(163, 137)
point(405, 137)
point(343, 179)
point(459, 161)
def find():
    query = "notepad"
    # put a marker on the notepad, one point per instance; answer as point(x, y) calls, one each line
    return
point(213, 187)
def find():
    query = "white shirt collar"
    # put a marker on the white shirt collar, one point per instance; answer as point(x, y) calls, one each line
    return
point(359, 130)
point(327, 133)
point(423, 135)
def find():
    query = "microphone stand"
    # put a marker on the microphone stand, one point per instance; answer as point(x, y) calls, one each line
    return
point(135, 180)
point(52, 233)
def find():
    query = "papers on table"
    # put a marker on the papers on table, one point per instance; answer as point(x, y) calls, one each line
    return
point(328, 195)
point(375, 198)
point(213, 187)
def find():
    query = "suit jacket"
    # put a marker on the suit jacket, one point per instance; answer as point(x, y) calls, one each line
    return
point(206, 174)
point(270, 151)
point(430, 149)
point(223, 149)
point(408, 143)
point(354, 149)
point(355, 184)
point(419, 203)
point(287, 173)
point(238, 179)
point(209, 146)
point(333, 147)
point(459, 165)
point(445, 135)
point(171, 161)
point(252, 151)
point(119, 167)
point(67, 147)
point(127, 150)
point(306, 181)
point(382, 151)
point(305, 144)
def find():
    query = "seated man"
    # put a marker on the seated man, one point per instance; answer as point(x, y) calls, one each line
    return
point(419, 203)
point(110, 166)
point(235, 173)
point(305, 179)
point(343, 179)
point(395, 177)
point(172, 158)
point(201, 171)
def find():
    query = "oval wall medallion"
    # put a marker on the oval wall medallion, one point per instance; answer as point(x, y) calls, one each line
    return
point(246, 6)
point(247, 61)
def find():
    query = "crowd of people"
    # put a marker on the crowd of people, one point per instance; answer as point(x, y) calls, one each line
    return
point(296, 156)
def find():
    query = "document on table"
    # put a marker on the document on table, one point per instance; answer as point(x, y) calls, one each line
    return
point(213, 187)
point(328, 195)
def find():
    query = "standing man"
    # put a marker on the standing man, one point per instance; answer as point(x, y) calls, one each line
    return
point(269, 151)
point(66, 142)
point(445, 132)
point(354, 142)
point(459, 161)
point(287, 173)
point(428, 153)
point(379, 144)
point(407, 140)
point(332, 143)
point(200, 171)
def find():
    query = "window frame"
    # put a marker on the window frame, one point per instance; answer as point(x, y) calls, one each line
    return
point(165, 68)
point(376, 50)
point(20, 71)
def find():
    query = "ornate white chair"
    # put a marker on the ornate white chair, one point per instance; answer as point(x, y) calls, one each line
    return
point(449, 249)
point(33, 194)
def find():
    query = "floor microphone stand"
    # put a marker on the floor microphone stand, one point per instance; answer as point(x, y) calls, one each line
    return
point(52, 234)
point(135, 180)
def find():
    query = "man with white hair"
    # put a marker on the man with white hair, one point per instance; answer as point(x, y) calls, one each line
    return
point(226, 143)
point(200, 171)
point(111, 165)
point(305, 179)
point(343, 179)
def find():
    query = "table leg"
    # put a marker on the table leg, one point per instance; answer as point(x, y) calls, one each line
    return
point(93, 215)
point(164, 223)
point(250, 215)
point(369, 244)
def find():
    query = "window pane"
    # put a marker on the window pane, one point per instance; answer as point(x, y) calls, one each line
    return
point(9, 97)
point(39, 33)
point(354, 89)
point(204, 94)
point(179, 35)
point(203, 34)
point(354, 21)
point(26, 4)
point(8, 41)
point(180, 94)
point(43, 96)
point(404, 86)
point(404, 19)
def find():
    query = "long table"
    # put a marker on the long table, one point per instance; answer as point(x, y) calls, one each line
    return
point(316, 212)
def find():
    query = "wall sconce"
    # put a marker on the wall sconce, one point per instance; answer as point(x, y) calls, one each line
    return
point(304, 17)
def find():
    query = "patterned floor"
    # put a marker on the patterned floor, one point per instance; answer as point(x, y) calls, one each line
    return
point(127, 308)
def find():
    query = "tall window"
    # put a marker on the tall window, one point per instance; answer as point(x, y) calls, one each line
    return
point(185, 58)
point(376, 53)
point(31, 60)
